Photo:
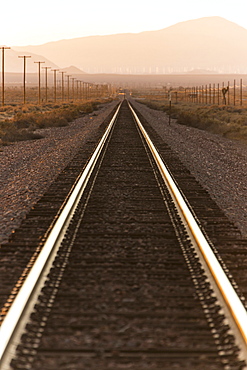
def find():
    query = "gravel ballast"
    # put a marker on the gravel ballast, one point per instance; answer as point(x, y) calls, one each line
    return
point(28, 168)
point(219, 164)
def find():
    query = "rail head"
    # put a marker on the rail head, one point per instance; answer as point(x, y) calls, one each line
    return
point(11, 325)
point(233, 302)
point(229, 295)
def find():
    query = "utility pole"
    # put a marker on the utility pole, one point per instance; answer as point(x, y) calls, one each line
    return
point(73, 87)
point(3, 48)
point(87, 90)
point(68, 76)
point(39, 77)
point(170, 105)
point(228, 86)
point(83, 90)
point(234, 92)
point(55, 84)
point(77, 89)
point(80, 89)
point(24, 78)
point(241, 91)
point(63, 72)
point(46, 84)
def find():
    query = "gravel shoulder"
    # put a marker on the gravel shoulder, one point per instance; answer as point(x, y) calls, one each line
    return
point(28, 168)
point(219, 164)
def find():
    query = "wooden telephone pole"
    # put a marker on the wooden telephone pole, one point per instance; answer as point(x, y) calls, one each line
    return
point(46, 82)
point(39, 77)
point(63, 72)
point(3, 49)
point(24, 76)
point(55, 84)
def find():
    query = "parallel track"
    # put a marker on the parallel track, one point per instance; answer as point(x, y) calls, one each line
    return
point(127, 288)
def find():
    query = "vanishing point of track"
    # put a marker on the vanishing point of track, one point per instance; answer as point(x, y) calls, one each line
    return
point(132, 281)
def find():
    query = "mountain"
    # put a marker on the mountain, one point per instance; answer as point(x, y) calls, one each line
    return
point(72, 70)
point(14, 64)
point(211, 43)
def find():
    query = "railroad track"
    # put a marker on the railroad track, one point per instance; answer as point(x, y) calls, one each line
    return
point(121, 274)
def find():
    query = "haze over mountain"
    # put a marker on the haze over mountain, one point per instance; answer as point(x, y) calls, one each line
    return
point(72, 70)
point(210, 43)
point(14, 64)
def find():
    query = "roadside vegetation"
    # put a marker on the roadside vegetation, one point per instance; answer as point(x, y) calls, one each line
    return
point(228, 121)
point(21, 122)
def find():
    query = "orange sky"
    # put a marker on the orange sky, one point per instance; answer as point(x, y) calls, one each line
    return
point(30, 22)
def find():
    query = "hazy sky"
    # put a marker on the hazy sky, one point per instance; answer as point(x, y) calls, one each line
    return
point(25, 22)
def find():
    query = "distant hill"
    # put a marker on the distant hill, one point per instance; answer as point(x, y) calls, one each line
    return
point(209, 44)
point(201, 72)
point(15, 64)
point(72, 70)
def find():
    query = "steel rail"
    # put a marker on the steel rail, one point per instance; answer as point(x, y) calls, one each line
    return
point(13, 317)
point(229, 294)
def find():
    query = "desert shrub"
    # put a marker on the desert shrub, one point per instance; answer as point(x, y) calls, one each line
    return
point(69, 114)
point(25, 120)
point(13, 134)
point(58, 121)
point(227, 121)
point(87, 108)
point(6, 108)
point(188, 118)
point(50, 119)
point(208, 122)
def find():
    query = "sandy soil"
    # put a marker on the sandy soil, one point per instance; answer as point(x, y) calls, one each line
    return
point(27, 168)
